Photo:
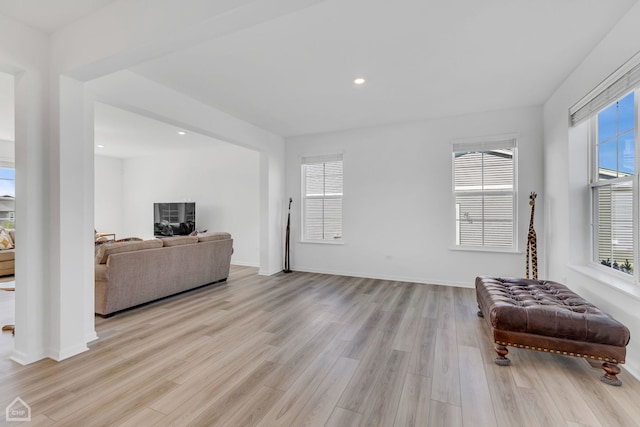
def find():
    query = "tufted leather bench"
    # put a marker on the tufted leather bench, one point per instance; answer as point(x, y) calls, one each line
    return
point(547, 316)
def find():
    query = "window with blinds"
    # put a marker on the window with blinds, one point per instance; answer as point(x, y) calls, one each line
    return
point(484, 176)
point(613, 193)
point(322, 183)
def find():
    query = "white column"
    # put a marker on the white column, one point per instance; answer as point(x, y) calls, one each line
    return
point(271, 202)
point(31, 271)
point(71, 237)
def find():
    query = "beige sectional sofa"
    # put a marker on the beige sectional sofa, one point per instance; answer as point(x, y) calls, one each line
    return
point(8, 257)
point(133, 273)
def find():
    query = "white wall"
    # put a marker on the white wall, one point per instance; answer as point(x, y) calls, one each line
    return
point(7, 151)
point(109, 189)
point(397, 209)
point(7, 107)
point(566, 186)
point(222, 181)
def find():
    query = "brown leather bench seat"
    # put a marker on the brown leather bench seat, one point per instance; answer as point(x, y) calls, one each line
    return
point(547, 316)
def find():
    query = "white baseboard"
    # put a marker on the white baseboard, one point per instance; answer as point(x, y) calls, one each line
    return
point(25, 359)
point(409, 279)
point(91, 336)
point(269, 272)
point(65, 353)
point(244, 263)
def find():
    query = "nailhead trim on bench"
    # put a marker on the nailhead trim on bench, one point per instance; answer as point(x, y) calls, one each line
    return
point(586, 356)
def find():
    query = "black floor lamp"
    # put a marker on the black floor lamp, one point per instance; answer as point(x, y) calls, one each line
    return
point(287, 266)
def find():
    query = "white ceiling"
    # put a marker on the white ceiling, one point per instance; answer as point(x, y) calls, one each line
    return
point(124, 134)
point(121, 133)
point(49, 15)
point(422, 59)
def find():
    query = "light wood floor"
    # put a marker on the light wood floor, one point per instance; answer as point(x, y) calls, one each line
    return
point(309, 349)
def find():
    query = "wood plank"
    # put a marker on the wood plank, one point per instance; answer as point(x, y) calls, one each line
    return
point(356, 322)
point(430, 309)
point(423, 354)
point(287, 373)
point(341, 417)
point(595, 393)
point(255, 408)
point(476, 398)
point(382, 403)
point(129, 382)
point(323, 401)
point(539, 408)
point(216, 376)
point(213, 407)
point(413, 409)
point(355, 396)
point(446, 309)
point(114, 408)
point(287, 408)
point(552, 378)
point(407, 332)
point(145, 416)
point(504, 392)
point(361, 341)
point(466, 318)
point(444, 415)
point(445, 386)
point(297, 341)
point(38, 420)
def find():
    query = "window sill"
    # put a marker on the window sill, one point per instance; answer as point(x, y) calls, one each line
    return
point(338, 242)
point(621, 284)
point(485, 249)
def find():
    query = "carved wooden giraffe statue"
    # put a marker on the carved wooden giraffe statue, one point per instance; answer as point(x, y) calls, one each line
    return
point(532, 243)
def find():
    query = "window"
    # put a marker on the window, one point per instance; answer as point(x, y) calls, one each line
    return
point(484, 193)
point(611, 113)
point(613, 134)
point(7, 196)
point(322, 198)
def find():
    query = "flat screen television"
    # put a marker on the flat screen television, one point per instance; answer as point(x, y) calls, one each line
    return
point(174, 219)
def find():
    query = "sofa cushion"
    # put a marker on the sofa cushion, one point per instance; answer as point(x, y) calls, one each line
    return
point(209, 237)
point(115, 248)
point(179, 240)
point(8, 255)
point(129, 239)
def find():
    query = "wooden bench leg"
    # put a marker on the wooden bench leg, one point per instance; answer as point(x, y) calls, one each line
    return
point(502, 358)
point(610, 376)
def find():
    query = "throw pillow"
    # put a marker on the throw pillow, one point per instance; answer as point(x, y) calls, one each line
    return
point(5, 240)
point(214, 236)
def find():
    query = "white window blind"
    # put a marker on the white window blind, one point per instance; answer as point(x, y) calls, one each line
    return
point(484, 193)
point(619, 83)
point(614, 230)
point(322, 191)
point(613, 185)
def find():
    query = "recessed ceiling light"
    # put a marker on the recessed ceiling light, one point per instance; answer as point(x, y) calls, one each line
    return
point(359, 81)
point(100, 146)
point(181, 132)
